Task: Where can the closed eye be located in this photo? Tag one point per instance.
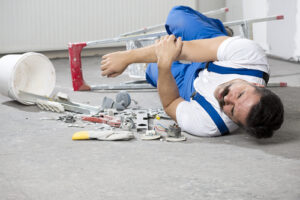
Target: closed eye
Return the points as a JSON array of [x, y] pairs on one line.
[[232, 109], [241, 94]]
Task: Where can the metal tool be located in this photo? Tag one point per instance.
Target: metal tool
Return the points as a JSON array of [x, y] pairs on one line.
[[68, 105], [104, 119]]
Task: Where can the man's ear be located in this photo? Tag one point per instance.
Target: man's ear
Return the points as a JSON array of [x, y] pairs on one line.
[[257, 84]]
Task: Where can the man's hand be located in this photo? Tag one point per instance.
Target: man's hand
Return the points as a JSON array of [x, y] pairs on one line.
[[114, 64], [167, 49]]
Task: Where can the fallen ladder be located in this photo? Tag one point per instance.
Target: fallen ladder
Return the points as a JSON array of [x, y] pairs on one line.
[[75, 48], [75, 51]]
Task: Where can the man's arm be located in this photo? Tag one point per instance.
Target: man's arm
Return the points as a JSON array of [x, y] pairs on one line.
[[167, 50], [203, 50]]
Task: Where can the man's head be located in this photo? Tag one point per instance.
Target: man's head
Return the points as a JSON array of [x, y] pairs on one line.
[[252, 106]]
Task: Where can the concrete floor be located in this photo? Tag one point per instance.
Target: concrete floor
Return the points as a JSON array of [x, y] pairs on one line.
[[38, 159]]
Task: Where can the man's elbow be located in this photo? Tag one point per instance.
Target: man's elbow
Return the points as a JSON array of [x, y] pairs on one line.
[[170, 112], [170, 108]]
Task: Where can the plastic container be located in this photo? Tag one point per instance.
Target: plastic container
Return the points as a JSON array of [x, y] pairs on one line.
[[30, 72], [138, 70]]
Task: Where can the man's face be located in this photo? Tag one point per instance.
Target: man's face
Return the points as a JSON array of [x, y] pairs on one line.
[[236, 98]]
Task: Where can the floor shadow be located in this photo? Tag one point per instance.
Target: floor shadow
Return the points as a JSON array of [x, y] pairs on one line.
[[22, 107]]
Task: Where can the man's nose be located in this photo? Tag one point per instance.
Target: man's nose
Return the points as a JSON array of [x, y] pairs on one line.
[[228, 99]]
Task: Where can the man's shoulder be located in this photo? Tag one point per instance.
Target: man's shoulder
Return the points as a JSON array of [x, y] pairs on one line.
[[242, 53], [194, 119]]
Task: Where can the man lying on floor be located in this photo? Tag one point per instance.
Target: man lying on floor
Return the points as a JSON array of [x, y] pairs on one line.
[[223, 87]]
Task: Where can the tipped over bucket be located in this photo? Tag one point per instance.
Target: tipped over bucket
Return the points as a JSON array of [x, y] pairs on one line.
[[30, 72]]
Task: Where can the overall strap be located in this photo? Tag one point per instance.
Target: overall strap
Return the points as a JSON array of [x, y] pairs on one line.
[[242, 71], [211, 112], [224, 70]]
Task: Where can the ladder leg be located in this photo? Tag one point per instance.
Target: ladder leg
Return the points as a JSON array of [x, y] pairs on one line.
[[75, 63]]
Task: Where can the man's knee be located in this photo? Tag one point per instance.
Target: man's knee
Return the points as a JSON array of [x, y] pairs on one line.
[[180, 19], [174, 20]]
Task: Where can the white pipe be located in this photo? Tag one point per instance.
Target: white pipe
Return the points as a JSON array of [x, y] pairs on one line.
[[254, 20]]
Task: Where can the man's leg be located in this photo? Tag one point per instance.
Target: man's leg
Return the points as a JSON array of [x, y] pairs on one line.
[[190, 25]]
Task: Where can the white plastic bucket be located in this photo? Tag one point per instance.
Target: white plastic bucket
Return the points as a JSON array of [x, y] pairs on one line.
[[30, 72]]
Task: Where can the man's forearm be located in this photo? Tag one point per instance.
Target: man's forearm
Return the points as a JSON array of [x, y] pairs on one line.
[[142, 55], [167, 87], [201, 50], [167, 50], [168, 92]]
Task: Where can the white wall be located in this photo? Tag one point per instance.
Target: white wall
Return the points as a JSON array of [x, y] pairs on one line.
[[281, 37], [41, 25], [235, 10], [296, 54], [257, 9]]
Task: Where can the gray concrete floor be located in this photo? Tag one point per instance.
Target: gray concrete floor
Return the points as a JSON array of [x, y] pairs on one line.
[[38, 159]]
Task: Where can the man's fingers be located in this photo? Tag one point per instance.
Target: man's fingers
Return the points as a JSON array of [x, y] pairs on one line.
[[103, 62], [179, 42], [103, 73], [164, 37], [171, 38], [113, 75], [105, 56], [104, 65], [106, 72], [109, 73]]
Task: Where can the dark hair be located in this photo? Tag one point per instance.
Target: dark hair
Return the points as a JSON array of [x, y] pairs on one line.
[[266, 116]]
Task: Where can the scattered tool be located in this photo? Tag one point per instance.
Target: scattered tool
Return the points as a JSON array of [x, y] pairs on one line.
[[174, 134], [67, 118], [107, 135], [150, 135], [65, 103], [142, 120], [105, 119], [123, 100], [127, 123], [50, 106]]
